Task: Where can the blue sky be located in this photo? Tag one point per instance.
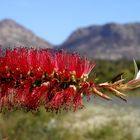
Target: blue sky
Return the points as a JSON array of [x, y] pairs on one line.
[[54, 20]]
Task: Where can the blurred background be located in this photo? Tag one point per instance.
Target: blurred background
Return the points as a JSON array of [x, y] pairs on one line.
[[107, 32]]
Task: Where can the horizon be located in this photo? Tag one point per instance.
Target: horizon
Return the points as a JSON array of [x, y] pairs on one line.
[[54, 21]]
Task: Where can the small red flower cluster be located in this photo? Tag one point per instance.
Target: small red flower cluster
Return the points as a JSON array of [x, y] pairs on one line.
[[31, 77]]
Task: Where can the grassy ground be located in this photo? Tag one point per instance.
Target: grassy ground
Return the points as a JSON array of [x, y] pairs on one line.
[[92, 123]]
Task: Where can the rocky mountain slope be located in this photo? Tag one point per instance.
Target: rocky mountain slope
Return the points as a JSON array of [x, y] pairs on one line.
[[13, 34], [109, 41]]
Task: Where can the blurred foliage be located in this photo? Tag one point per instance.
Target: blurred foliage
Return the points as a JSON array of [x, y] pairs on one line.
[[110, 131], [106, 70], [21, 125]]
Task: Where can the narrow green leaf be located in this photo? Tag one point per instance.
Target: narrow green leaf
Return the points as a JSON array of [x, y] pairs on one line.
[[135, 67]]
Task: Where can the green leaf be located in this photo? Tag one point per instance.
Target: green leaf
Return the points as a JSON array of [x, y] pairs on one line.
[[135, 67]]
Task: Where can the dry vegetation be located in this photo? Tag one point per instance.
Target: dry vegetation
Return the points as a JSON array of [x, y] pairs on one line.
[[94, 122]]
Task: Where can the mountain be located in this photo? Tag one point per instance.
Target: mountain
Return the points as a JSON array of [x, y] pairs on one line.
[[109, 41], [15, 35]]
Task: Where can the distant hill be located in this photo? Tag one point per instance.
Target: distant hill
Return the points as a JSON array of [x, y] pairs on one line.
[[109, 41], [12, 34]]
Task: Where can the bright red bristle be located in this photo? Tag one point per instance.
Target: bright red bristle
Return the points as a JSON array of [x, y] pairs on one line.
[[31, 77]]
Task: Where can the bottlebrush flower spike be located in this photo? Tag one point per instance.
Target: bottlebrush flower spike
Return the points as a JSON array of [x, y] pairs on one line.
[[56, 79]]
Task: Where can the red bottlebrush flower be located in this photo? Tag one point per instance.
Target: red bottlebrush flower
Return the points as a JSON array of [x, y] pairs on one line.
[[56, 79]]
